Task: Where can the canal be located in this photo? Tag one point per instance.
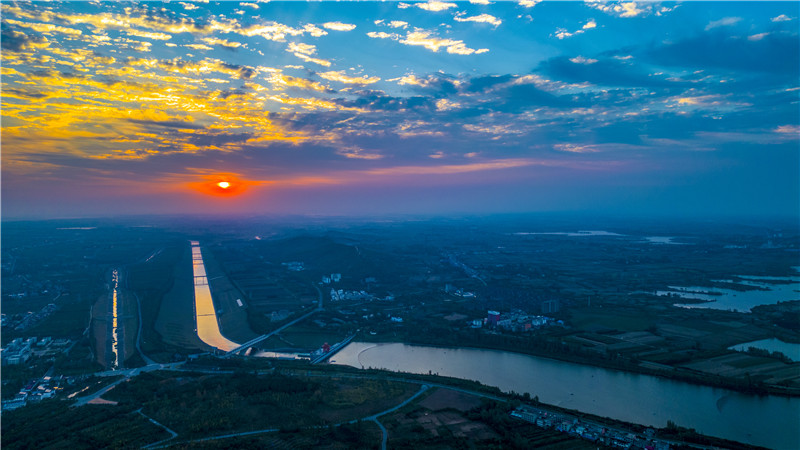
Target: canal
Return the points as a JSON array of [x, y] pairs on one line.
[[205, 313], [116, 347]]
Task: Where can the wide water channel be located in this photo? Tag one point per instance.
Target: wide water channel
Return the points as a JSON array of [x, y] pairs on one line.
[[769, 421], [116, 346], [204, 311]]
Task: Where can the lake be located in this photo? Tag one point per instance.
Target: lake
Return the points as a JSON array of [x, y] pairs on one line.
[[772, 345], [768, 291]]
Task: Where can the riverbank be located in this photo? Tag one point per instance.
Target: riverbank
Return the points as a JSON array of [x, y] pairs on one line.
[[441, 417]]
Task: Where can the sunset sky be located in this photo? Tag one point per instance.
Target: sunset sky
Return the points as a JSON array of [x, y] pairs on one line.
[[364, 108]]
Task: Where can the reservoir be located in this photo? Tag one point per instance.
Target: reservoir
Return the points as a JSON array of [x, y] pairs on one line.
[[769, 421]]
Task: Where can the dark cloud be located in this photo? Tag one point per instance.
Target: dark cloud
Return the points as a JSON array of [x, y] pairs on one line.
[[26, 93], [51, 73], [436, 85], [481, 84], [218, 139], [15, 41], [244, 72], [773, 53], [167, 123], [519, 97], [232, 92], [379, 101], [622, 132], [603, 72]]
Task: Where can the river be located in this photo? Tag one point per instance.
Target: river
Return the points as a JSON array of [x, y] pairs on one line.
[[769, 421]]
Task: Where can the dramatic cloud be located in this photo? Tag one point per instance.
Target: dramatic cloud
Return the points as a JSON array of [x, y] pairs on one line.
[[102, 97]]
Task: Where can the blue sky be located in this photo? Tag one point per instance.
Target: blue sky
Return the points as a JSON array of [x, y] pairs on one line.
[[363, 108]]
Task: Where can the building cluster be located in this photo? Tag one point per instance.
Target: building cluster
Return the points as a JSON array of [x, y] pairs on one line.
[[341, 294], [37, 390], [333, 278], [277, 316], [294, 266], [452, 290], [21, 322], [20, 286], [19, 351], [514, 321], [550, 306], [595, 432]]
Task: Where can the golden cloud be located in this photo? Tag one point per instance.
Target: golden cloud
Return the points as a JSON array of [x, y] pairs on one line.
[[342, 78]]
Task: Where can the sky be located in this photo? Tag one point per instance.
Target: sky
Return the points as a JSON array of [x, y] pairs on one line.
[[371, 108]]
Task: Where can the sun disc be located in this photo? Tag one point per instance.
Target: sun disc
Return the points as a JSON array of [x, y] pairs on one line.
[[224, 184]]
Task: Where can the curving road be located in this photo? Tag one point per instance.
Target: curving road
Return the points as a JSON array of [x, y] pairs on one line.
[[374, 417]]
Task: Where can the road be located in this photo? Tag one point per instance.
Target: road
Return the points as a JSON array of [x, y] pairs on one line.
[[87, 399], [127, 374], [374, 417], [173, 434], [424, 386], [136, 371]]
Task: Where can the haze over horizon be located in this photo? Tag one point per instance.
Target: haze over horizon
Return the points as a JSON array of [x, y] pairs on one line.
[[368, 108]]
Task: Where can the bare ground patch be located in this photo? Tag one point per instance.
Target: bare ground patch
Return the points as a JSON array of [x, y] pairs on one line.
[[447, 398]]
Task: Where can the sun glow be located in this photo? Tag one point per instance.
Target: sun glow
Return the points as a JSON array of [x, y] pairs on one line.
[[226, 185]]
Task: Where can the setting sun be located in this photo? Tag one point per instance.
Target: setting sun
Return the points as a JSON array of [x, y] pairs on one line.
[[222, 184]]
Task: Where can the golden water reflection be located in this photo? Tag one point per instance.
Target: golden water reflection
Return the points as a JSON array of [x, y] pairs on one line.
[[206, 316]]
